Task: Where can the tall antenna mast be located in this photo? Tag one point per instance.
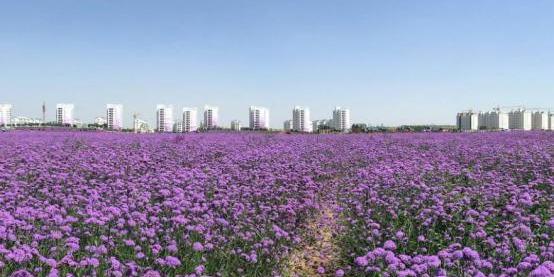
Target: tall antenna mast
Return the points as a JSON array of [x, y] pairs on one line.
[[43, 112]]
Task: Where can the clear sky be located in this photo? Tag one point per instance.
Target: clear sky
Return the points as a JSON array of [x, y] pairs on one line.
[[391, 62]]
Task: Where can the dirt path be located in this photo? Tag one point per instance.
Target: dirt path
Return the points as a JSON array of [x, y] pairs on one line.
[[318, 257]]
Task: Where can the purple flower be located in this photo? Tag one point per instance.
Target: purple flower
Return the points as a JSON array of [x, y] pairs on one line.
[[199, 269], [390, 245], [470, 254], [172, 261], [21, 273], [541, 271], [152, 273], [320, 270], [197, 246], [361, 261], [550, 223]]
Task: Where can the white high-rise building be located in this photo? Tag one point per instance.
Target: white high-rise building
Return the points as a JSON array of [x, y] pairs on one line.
[[495, 120], [551, 120], [341, 119], [463, 121], [259, 118], [164, 118], [468, 121], [235, 125], [114, 116], [520, 119], [210, 117], [190, 117], [5, 114], [301, 119], [64, 113], [287, 125], [540, 120]]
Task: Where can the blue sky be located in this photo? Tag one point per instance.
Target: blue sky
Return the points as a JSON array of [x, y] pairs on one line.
[[391, 62]]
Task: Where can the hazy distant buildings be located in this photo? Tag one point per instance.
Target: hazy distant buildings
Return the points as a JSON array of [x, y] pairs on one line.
[[190, 117], [322, 124], [287, 125], [259, 118], [114, 116], [341, 119], [494, 120], [235, 125], [540, 120], [100, 121], [497, 119], [301, 119], [178, 126], [140, 126], [22, 120], [5, 114], [469, 120], [210, 117], [520, 119], [164, 118], [64, 113]]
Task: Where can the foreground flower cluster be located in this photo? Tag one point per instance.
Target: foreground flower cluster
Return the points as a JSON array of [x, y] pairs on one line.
[[101, 204], [124, 205], [451, 205]]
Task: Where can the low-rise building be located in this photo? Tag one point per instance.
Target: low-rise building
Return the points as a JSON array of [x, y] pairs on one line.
[[22, 120], [178, 126], [235, 125], [140, 126], [100, 121], [287, 125], [326, 124]]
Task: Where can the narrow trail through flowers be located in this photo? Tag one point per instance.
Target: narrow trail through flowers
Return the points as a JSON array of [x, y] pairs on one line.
[[320, 256], [317, 257]]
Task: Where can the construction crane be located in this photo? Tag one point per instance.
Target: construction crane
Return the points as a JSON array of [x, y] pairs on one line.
[[498, 108]]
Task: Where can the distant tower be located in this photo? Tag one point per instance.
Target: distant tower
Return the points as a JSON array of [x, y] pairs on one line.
[[259, 118], [210, 117], [135, 117], [341, 119], [43, 112], [164, 118], [301, 119]]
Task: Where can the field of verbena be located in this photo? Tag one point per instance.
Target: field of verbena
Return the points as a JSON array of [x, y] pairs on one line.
[[230, 204]]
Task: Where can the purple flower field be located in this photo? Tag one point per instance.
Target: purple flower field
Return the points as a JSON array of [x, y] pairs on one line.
[[243, 204]]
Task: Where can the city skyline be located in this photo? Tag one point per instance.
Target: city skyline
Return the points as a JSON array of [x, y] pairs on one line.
[[187, 121], [393, 63]]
